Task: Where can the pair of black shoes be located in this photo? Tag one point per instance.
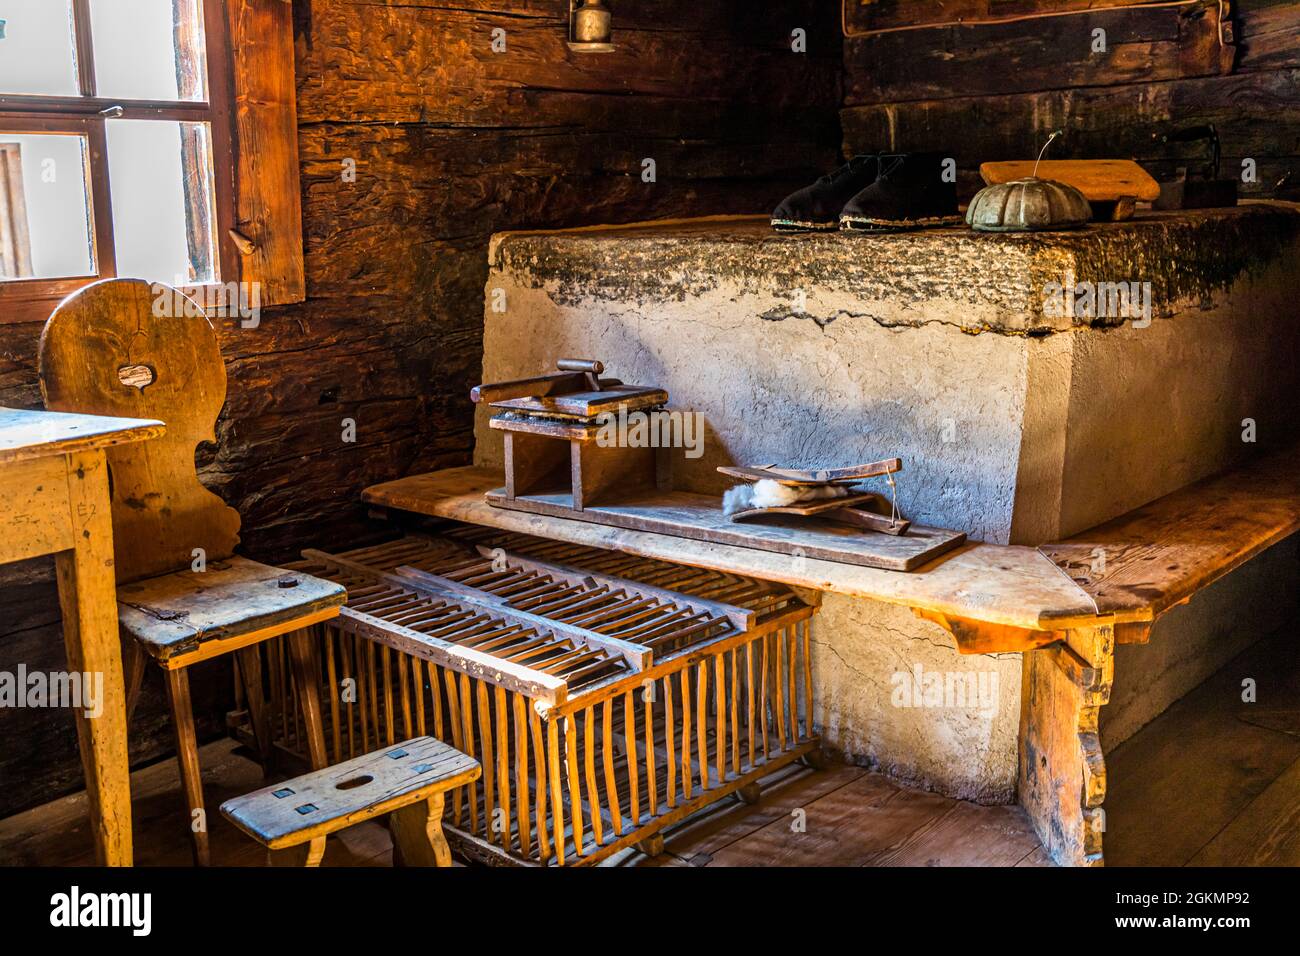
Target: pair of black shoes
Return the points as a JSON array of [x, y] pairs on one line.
[[880, 192]]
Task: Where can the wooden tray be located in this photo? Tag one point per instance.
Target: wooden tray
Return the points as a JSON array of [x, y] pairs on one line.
[[687, 515], [863, 511], [588, 404], [808, 509], [1100, 180]]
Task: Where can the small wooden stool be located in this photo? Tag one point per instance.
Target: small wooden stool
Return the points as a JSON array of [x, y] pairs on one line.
[[407, 781]]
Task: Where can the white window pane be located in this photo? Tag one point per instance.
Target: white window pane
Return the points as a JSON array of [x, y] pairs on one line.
[[37, 50], [44, 220], [148, 49], [160, 173]]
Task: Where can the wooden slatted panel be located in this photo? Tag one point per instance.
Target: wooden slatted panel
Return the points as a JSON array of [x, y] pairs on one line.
[[571, 784], [469, 626], [625, 609]]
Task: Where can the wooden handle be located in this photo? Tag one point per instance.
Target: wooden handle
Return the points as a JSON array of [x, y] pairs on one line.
[[245, 245], [554, 383], [580, 365], [799, 476], [869, 520]]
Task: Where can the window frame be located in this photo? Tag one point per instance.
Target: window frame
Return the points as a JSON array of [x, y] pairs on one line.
[[32, 300]]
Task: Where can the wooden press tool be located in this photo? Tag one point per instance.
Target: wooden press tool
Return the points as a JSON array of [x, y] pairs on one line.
[[863, 509], [555, 425], [574, 376]]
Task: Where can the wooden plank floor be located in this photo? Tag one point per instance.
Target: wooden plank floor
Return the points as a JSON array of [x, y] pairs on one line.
[[843, 816], [1214, 780]]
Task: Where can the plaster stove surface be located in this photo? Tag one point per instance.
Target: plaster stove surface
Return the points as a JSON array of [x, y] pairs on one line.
[[1017, 420]]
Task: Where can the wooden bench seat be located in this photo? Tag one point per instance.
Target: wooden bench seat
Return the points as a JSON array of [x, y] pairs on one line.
[[1139, 565], [407, 780], [1155, 556], [1010, 585]]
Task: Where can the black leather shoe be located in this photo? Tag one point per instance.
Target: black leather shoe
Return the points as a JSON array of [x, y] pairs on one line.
[[909, 193], [817, 207]]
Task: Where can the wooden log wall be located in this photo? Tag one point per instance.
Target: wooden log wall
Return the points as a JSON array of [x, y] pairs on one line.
[[450, 142], [995, 91]]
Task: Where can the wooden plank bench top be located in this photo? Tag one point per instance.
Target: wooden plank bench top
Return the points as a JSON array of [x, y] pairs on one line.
[[325, 801], [1002, 584], [1156, 556], [1142, 563]]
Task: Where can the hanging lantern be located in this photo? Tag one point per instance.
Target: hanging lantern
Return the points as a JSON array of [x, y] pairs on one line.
[[589, 27]]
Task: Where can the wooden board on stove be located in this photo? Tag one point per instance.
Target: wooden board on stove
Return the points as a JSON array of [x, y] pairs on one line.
[[699, 517], [1100, 180]]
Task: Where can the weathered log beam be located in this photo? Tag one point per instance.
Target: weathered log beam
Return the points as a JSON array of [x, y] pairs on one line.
[[865, 15], [1055, 53], [1104, 121], [438, 65]]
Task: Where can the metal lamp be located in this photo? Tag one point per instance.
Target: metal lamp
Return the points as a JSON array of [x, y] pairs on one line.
[[589, 27]]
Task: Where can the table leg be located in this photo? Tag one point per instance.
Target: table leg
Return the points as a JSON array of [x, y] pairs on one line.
[[250, 673], [88, 598]]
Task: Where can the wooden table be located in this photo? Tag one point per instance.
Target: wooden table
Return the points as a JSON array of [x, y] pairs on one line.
[[54, 500]]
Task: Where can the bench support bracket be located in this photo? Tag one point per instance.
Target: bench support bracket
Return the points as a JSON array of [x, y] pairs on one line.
[[1062, 769]]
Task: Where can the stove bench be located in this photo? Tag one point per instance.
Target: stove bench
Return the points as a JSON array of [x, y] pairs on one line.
[[1065, 604]]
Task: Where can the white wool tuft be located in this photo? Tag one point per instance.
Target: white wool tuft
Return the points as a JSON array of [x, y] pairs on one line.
[[767, 493], [771, 494], [738, 498]]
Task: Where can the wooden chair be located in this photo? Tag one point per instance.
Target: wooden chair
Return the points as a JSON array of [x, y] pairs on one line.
[[183, 596], [408, 781]]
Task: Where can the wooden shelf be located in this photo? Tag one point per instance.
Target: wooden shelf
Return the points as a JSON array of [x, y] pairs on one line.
[[683, 514], [1006, 585], [1156, 556]]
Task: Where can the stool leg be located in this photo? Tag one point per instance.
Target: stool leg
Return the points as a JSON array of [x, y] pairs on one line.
[[304, 854], [187, 755], [417, 834], [250, 674], [133, 658], [306, 677]]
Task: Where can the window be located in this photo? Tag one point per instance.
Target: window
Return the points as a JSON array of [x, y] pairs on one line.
[[117, 147]]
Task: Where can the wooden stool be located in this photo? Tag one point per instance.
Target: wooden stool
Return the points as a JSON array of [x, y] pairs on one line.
[[408, 781], [123, 348]]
